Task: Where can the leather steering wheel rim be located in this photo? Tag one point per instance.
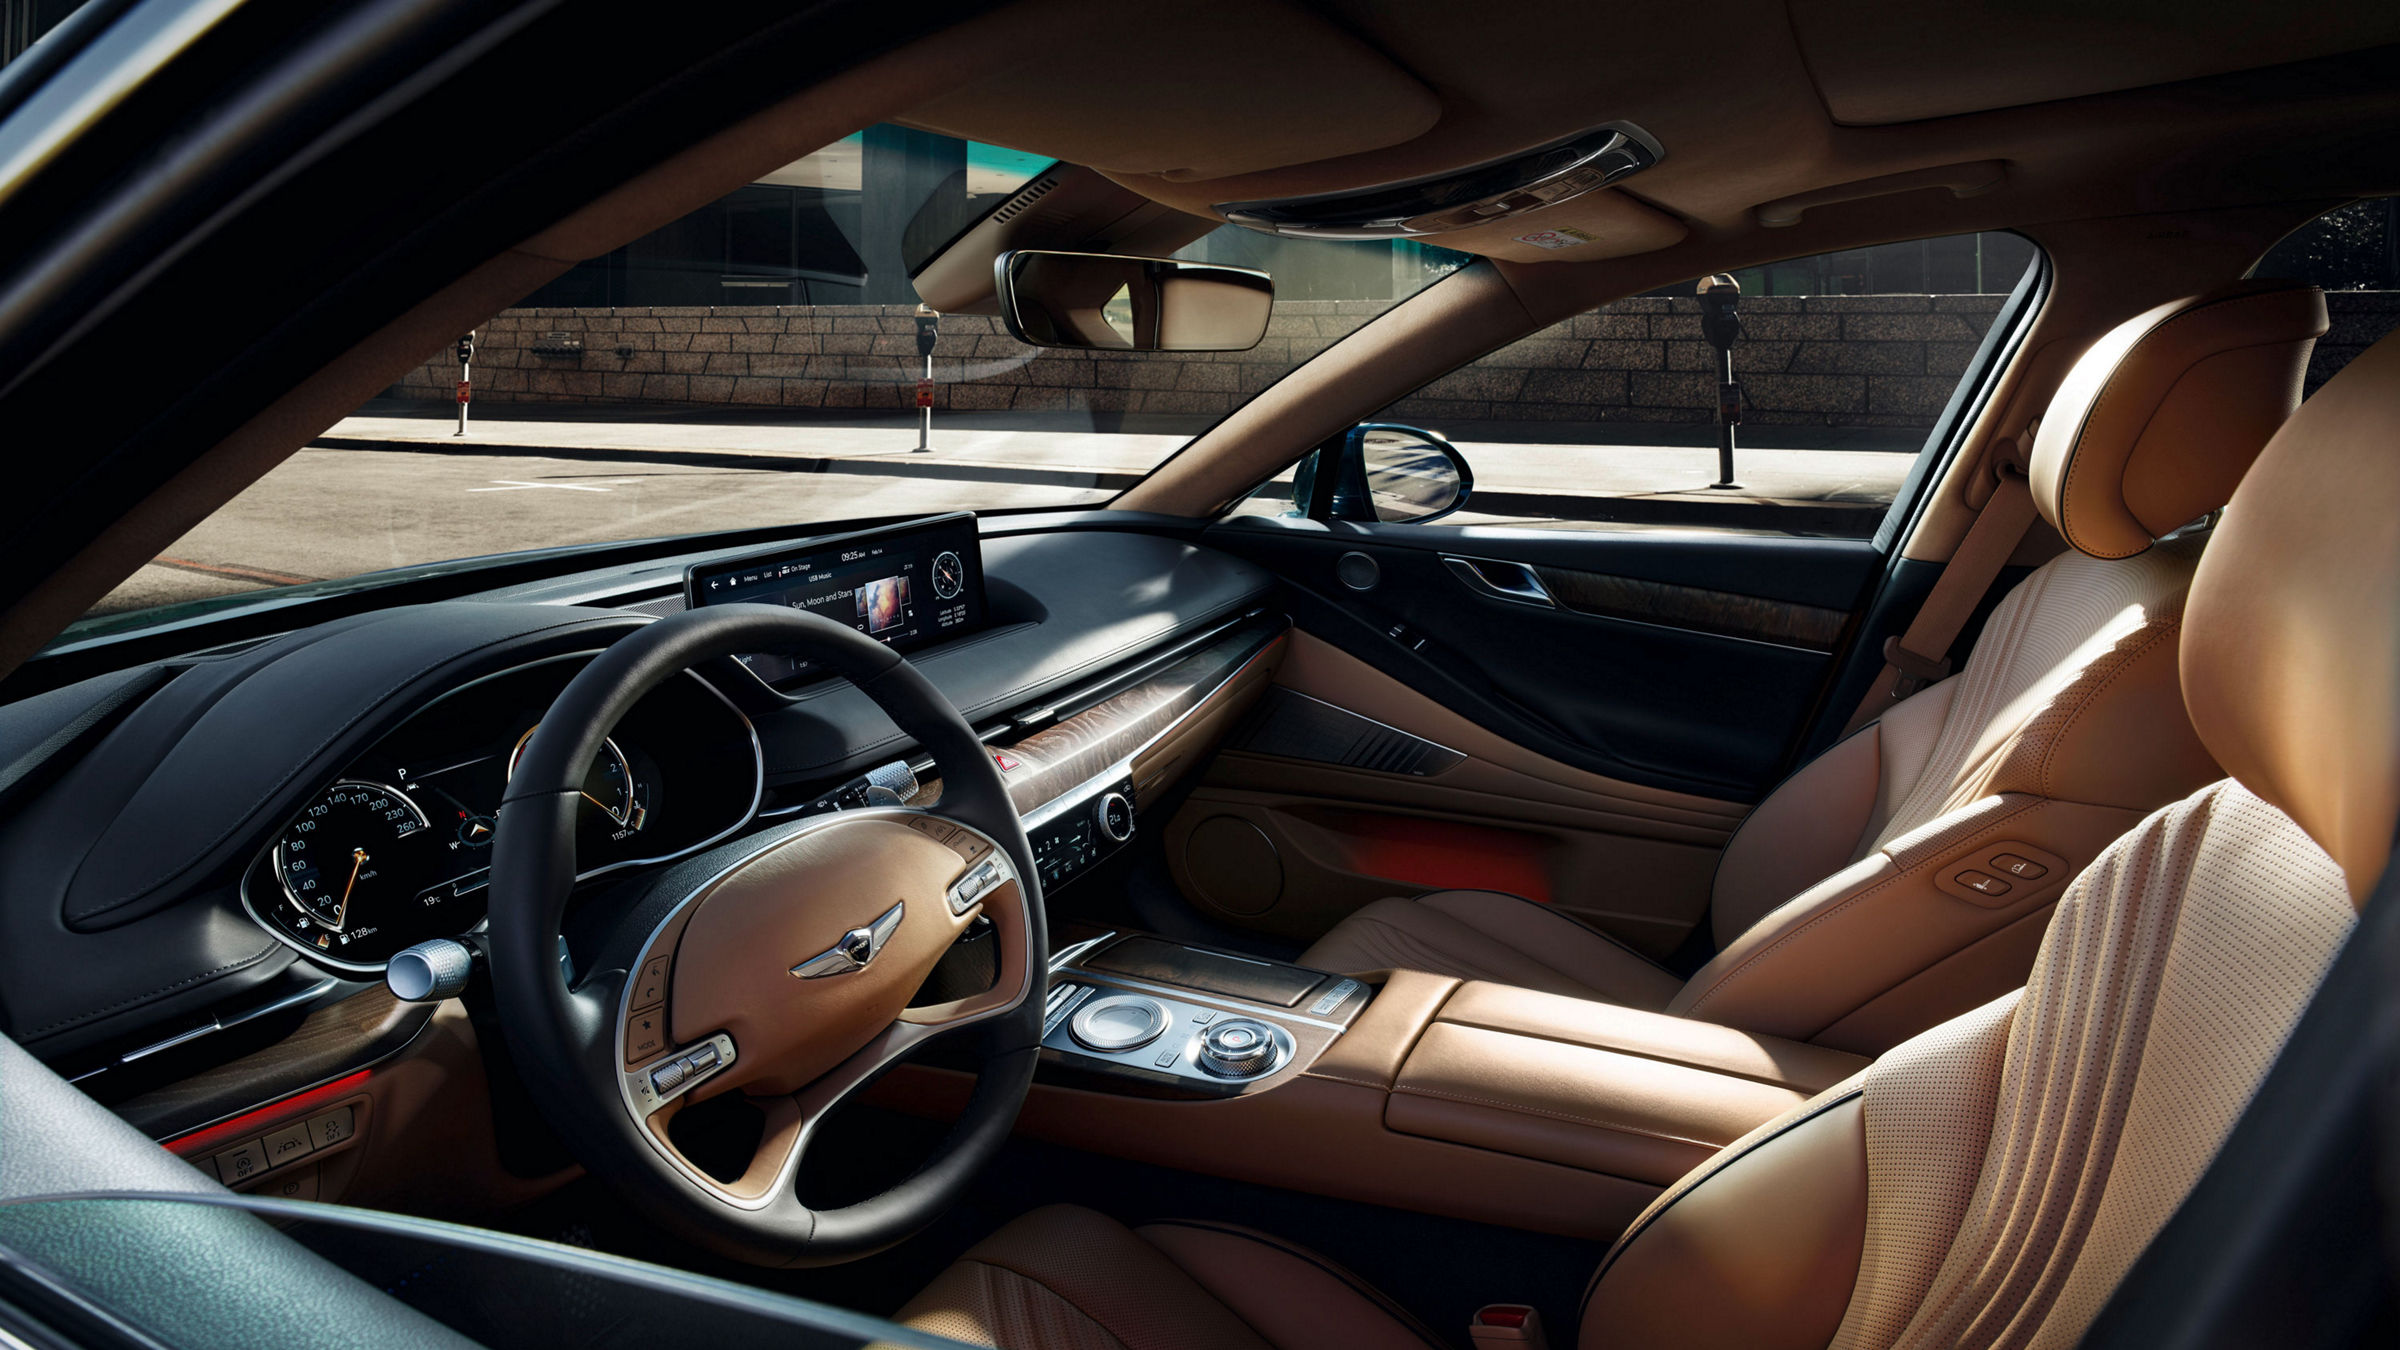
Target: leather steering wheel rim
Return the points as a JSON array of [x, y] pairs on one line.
[[565, 1040]]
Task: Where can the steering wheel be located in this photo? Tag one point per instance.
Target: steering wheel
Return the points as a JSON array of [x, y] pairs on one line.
[[783, 967]]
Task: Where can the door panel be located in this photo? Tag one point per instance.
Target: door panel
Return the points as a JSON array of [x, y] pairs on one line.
[[1681, 661], [1286, 835]]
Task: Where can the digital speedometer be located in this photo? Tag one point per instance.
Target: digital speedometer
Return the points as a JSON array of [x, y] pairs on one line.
[[352, 869], [336, 858]]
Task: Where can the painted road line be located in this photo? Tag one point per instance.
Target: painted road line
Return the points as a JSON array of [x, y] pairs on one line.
[[517, 485], [233, 570]]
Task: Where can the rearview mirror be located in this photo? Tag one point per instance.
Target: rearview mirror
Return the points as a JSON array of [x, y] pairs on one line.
[[1108, 302]]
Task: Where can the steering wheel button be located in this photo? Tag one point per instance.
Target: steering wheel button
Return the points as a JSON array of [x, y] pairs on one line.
[[645, 1035], [703, 1058], [668, 1077], [650, 987]]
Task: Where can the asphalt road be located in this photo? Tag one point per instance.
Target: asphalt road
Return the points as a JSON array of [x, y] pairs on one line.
[[389, 492]]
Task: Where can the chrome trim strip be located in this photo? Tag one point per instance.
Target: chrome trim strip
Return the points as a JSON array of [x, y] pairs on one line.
[[1225, 1002], [308, 995], [758, 792]]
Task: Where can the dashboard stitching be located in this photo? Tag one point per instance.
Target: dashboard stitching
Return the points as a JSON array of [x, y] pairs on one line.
[[373, 705], [250, 960]]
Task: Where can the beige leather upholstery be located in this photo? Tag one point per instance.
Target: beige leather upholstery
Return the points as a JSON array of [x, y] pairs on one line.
[[1836, 913], [1989, 1182], [1069, 1279], [2154, 425], [2292, 659]]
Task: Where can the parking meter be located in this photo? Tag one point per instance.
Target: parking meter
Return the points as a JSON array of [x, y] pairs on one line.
[[929, 326], [1721, 324]]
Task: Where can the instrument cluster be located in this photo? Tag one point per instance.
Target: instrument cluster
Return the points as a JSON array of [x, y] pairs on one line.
[[398, 848]]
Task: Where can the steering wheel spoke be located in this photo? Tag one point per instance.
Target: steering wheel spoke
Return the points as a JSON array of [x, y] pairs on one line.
[[791, 977]]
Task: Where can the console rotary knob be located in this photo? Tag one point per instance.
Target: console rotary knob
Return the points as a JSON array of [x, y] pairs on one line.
[[1237, 1048], [1113, 815], [1120, 1022]]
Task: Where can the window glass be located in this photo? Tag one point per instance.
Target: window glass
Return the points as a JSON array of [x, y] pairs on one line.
[[753, 364], [2353, 252], [1843, 363]]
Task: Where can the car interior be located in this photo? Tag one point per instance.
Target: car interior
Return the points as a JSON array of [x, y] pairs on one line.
[[1282, 898]]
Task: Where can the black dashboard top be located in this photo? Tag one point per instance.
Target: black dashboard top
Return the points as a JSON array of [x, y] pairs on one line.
[[133, 805]]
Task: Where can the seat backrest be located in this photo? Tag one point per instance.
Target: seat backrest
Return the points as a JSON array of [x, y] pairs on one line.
[[2066, 726], [1989, 1182]]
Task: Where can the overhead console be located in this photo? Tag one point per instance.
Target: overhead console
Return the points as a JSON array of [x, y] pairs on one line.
[[907, 586]]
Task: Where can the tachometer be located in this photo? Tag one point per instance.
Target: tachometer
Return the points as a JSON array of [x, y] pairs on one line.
[[336, 859], [608, 786]]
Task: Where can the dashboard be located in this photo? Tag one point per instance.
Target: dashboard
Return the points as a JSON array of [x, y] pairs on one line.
[[199, 852], [397, 849]]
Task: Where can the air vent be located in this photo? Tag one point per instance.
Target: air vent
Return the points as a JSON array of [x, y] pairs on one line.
[[1543, 176], [1026, 196]]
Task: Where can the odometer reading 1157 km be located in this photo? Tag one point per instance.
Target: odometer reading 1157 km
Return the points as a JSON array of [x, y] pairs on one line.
[[340, 864]]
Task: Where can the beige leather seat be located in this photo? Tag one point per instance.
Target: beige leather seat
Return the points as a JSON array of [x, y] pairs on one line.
[[1851, 908], [1990, 1181]]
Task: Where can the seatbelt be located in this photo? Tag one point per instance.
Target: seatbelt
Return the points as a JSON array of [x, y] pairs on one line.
[[1917, 657]]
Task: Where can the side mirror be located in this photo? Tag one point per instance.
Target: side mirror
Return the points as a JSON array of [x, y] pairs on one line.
[[1108, 302], [1388, 473]]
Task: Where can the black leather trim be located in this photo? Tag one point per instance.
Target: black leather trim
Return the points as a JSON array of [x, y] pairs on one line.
[[1076, 604]]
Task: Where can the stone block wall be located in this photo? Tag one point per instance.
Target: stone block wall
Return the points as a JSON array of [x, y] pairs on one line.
[[1865, 360]]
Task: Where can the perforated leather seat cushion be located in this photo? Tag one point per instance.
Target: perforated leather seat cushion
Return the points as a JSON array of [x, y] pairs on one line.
[[1064, 1278]]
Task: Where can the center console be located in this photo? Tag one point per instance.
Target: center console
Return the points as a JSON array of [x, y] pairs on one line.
[[1182, 1020], [1397, 1088]]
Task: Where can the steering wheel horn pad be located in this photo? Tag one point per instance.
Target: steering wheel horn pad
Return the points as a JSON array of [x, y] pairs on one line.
[[728, 951]]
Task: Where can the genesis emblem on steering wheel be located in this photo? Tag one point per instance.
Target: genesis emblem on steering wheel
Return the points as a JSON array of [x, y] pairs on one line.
[[855, 950]]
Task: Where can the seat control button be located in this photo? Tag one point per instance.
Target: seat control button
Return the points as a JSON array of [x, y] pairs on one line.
[[1982, 883], [332, 1128], [2019, 867]]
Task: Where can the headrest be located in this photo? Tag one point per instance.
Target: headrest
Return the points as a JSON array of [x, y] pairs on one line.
[[2155, 424], [2291, 637]]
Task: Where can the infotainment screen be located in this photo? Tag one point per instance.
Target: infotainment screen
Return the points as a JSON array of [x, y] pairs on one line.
[[905, 585]]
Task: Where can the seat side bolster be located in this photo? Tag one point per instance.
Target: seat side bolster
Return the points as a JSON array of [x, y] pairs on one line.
[[1758, 1249], [2118, 736], [1865, 932], [1293, 1297], [1804, 830]]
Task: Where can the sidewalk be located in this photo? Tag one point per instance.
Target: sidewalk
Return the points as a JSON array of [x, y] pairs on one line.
[[1642, 473]]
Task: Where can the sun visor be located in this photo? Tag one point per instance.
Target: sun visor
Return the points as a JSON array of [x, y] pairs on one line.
[[1154, 98]]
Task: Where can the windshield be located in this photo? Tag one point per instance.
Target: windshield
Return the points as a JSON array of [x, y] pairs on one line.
[[752, 365]]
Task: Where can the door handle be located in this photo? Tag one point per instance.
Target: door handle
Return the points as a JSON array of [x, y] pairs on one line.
[[1499, 580]]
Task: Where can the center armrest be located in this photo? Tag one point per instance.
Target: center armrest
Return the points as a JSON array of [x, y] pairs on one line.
[[1591, 1085]]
